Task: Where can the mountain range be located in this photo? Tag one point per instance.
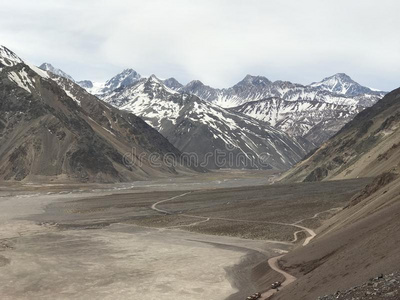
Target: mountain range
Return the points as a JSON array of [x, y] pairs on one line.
[[197, 126], [50, 126], [337, 89], [200, 119], [312, 113]]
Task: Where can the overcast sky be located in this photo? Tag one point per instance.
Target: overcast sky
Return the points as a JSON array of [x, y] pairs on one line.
[[215, 41]]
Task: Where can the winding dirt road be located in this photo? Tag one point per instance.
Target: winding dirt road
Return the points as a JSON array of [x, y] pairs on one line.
[[154, 206], [272, 262]]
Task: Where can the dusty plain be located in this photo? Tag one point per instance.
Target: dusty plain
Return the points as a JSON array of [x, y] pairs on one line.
[[201, 237]]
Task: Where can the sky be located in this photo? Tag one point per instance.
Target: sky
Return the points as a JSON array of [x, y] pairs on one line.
[[216, 41]]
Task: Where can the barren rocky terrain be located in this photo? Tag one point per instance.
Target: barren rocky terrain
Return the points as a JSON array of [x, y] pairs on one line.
[[152, 238], [380, 287]]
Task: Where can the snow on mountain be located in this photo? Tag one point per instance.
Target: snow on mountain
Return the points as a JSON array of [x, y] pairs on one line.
[[197, 126], [45, 133], [49, 68], [342, 84], [22, 79], [147, 97], [8, 58], [123, 79], [315, 112], [313, 120], [45, 71], [339, 89], [126, 78], [19, 76], [312, 112]]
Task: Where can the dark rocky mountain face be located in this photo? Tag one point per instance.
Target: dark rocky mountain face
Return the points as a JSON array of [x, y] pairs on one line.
[[366, 146], [86, 84], [49, 126], [255, 81], [197, 126], [173, 84]]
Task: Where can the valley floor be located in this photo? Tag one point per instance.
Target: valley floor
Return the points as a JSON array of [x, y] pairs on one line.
[[205, 237]]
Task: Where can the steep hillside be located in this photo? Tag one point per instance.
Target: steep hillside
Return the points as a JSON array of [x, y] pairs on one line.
[[218, 137], [367, 146], [49, 126], [359, 243]]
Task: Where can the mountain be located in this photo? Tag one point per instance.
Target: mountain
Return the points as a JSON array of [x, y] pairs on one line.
[[359, 243], [123, 79], [173, 84], [8, 58], [86, 84], [365, 147], [313, 120], [342, 84], [338, 89], [197, 126], [52, 128], [49, 68]]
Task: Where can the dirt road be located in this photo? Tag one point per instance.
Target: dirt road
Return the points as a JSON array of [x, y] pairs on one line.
[[272, 262]]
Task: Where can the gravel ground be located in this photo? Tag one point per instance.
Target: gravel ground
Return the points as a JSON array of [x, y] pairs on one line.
[[96, 243], [381, 287]]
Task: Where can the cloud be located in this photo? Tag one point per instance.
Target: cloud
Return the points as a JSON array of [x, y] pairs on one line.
[[218, 42]]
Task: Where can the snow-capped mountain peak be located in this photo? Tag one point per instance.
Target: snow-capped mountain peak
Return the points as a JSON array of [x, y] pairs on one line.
[[195, 84], [8, 58], [155, 86], [341, 84], [125, 78], [254, 81], [49, 68], [154, 78]]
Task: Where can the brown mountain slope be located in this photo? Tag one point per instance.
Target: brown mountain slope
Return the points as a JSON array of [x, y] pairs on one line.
[[366, 147], [49, 131], [360, 242]]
